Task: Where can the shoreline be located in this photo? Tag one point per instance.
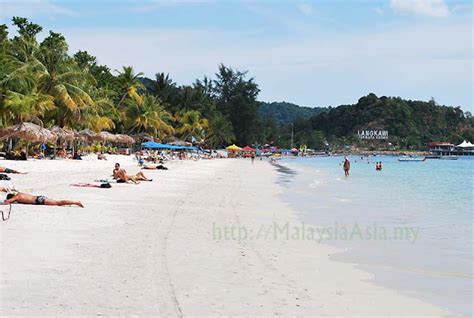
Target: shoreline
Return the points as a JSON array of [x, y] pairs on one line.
[[161, 248]]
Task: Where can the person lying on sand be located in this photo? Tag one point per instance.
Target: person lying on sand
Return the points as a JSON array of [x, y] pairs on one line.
[[159, 167], [25, 198], [8, 170], [121, 175], [101, 156]]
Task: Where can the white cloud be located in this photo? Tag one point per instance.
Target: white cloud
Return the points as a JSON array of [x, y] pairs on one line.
[[418, 61], [306, 9], [32, 8], [431, 8]]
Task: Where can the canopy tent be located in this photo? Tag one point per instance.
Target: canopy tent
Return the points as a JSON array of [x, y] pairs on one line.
[[248, 148], [29, 132], [466, 144], [157, 145], [233, 147]]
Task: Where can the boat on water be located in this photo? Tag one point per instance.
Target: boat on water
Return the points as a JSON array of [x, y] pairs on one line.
[[449, 158], [411, 159], [433, 157]]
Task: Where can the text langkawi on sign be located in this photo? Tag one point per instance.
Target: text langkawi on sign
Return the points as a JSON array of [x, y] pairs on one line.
[[372, 134]]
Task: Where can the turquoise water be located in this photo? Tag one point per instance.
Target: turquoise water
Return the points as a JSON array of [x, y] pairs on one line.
[[411, 224]]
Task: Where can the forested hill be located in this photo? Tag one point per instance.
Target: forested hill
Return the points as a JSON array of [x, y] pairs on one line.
[[411, 124], [285, 113]]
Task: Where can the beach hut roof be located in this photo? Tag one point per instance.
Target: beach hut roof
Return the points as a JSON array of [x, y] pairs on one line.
[[233, 147], [29, 132], [64, 133]]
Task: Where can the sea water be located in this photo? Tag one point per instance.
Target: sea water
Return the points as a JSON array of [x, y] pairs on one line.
[[411, 224]]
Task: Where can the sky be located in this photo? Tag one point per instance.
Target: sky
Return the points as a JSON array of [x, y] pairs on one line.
[[311, 53]]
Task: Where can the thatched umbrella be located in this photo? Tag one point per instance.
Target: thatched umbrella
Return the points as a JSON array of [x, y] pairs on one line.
[[89, 135], [143, 137], [124, 139], [180, 143], [106, 136], [29, 132], [64, 134]]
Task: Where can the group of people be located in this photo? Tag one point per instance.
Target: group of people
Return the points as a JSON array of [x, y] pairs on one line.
[[346, 165]]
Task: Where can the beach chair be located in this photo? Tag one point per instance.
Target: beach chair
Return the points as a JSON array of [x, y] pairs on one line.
[[6, 216]]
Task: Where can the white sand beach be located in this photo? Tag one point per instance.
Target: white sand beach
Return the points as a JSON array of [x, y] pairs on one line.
[[159, 248]]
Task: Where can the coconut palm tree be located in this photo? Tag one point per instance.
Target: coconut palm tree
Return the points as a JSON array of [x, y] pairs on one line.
[[192, 124], [220, 131], [149, 116], [129, 84]]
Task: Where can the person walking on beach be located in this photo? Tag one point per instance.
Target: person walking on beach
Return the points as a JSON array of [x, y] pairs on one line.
[[25, 198], [346, 166], [253, 158]]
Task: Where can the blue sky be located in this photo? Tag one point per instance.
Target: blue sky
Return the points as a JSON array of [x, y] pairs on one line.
[[313, 53]]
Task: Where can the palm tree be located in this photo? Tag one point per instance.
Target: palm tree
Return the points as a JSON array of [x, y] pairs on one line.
[[129, 84], [220, 131], [191, 124], [27, 107], [149, 116]]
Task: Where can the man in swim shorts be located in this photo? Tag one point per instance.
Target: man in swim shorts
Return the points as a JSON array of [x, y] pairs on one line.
[[8, 170], [25, 198]]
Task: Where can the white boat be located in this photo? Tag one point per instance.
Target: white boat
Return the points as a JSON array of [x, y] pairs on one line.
[[410, 159], [449, 158]]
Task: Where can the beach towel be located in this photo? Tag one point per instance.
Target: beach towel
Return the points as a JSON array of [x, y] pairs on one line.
[[90, 185]]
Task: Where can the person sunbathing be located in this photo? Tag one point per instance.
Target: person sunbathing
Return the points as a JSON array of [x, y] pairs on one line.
[[159, 167], [25, 198], [8, 170], [101, 156], [121, 175]]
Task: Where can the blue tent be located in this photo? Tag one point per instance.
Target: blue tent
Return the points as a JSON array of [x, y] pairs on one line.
[[157, 145], [152, 145]]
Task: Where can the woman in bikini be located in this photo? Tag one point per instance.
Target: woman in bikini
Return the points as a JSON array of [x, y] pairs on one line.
[[121, 175]]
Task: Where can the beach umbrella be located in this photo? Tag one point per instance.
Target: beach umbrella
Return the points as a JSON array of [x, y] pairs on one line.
[[180, 143], [124, 139], [248, 148], [64, 134], [106, 136], [89, 135], [143, 137], [29, 132], [233, 147]]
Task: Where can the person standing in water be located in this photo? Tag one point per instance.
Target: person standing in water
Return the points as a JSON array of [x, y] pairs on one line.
[[346, 166]]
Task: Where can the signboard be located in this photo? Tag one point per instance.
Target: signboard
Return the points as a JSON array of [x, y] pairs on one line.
[[372, 134]]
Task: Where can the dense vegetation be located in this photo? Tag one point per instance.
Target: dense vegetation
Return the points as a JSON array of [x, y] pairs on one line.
[[40, 82], [286, 113], [411, 124]]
